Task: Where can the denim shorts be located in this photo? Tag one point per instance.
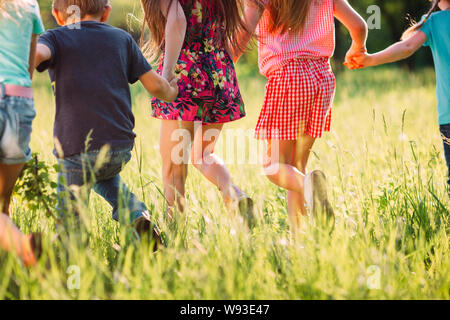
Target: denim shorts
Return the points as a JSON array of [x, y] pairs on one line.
[[16, 119]]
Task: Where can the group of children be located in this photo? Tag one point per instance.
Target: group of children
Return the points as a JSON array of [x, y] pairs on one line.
[[195, 89]]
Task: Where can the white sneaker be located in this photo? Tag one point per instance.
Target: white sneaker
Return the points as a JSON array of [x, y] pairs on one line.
[[316, 196]]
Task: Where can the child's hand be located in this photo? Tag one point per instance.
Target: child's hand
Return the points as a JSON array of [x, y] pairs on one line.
[[360, 62], [353, 52], [173, 91], [364, 61]]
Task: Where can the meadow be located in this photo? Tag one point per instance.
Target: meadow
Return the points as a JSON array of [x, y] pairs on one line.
[[386, 175]]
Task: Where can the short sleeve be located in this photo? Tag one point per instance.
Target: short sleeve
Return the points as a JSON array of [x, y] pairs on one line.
[[138, 64], [49, 40], [427, 29], [38, 25]]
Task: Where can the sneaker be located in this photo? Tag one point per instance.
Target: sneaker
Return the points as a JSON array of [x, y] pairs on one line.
[[247, 211], [145, 228], [316, 196], [245, 206]]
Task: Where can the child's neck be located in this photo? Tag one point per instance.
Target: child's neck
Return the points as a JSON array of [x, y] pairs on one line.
[[89, 18], [445, 5]]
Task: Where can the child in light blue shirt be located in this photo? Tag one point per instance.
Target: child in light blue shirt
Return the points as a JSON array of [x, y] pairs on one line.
[[432, 31], [16, 30], [20, 23]]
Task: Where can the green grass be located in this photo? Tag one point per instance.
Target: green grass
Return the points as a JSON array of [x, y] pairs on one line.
[[386, 175]]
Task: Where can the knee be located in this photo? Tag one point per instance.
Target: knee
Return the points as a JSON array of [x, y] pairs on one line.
[[196, 160], [173, 172], [271, 168]]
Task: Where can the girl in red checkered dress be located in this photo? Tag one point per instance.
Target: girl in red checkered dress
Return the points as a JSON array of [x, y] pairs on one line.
[[296, 41]]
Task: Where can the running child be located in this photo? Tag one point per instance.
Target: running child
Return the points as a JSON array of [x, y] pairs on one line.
[[91, 65], [296, 40], [431, 31], [193, 37], [20, 25]]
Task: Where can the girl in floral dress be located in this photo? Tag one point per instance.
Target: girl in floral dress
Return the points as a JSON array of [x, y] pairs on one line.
[[193, 36]]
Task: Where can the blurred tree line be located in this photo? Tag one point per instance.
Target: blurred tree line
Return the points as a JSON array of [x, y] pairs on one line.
[[395, 17]]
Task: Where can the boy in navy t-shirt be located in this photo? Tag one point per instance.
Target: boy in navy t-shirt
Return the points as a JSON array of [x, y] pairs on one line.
[[91, 65]]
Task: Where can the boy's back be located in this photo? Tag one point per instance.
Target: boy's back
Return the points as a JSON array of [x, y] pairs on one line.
[[90, 69]]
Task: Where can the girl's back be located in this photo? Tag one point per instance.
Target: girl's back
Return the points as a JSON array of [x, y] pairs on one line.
[[201, 23], [208, 87], [18, 22], [316, 40]]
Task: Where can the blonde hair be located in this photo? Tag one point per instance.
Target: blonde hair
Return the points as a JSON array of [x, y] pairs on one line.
[[417, 25]]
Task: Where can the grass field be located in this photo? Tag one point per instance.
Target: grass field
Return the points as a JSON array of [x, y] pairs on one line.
[[386, 174]]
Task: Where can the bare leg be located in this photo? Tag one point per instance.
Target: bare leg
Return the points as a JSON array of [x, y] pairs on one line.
[[296, 201], [210, 165], [175, 141], [286, 168], [8, 178], [11, 239]]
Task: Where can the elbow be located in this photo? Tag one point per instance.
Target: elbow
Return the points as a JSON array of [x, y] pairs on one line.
[[362, 28], [157, 90], [177, 23]]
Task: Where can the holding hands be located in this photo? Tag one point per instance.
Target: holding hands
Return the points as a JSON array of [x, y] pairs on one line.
[[356, 57], [359, 58]]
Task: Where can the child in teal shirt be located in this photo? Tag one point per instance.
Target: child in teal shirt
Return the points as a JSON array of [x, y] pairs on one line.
[[432, 31], [20, 23], [17, 25]]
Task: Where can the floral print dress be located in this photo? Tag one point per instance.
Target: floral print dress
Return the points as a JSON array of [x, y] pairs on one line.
[[208, 87]]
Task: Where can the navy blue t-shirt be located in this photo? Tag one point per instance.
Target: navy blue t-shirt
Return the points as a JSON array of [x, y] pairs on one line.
[[91, 69]]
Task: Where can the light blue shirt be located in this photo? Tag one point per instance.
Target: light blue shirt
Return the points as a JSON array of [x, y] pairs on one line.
[[437, 30], [16, 28]]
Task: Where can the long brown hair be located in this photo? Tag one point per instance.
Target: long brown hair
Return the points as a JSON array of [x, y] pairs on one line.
[[417, 25], [227, 13], [288, 15]]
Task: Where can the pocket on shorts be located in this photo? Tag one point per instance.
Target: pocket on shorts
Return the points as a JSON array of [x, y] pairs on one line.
[[15, 141]]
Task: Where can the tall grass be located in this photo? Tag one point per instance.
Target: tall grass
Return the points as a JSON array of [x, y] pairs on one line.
[[386, 174]]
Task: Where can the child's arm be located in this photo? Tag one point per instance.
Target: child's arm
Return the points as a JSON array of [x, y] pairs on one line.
[[159, 87], [355, 24], [43, 53], [175, 32], [32, 57], [252, 17], [399, 51]]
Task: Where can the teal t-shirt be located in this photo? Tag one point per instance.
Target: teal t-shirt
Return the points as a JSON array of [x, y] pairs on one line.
[[437, 30], [16, 28]]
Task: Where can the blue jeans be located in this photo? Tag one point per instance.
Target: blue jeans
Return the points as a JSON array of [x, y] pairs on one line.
[[445, 132], [16, 117], [78, 170]]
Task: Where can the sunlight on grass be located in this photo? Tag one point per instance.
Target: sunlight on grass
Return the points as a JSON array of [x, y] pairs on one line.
[[386, 174]]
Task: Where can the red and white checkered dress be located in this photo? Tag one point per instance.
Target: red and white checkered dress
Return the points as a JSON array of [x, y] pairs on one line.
[[301, 84]]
